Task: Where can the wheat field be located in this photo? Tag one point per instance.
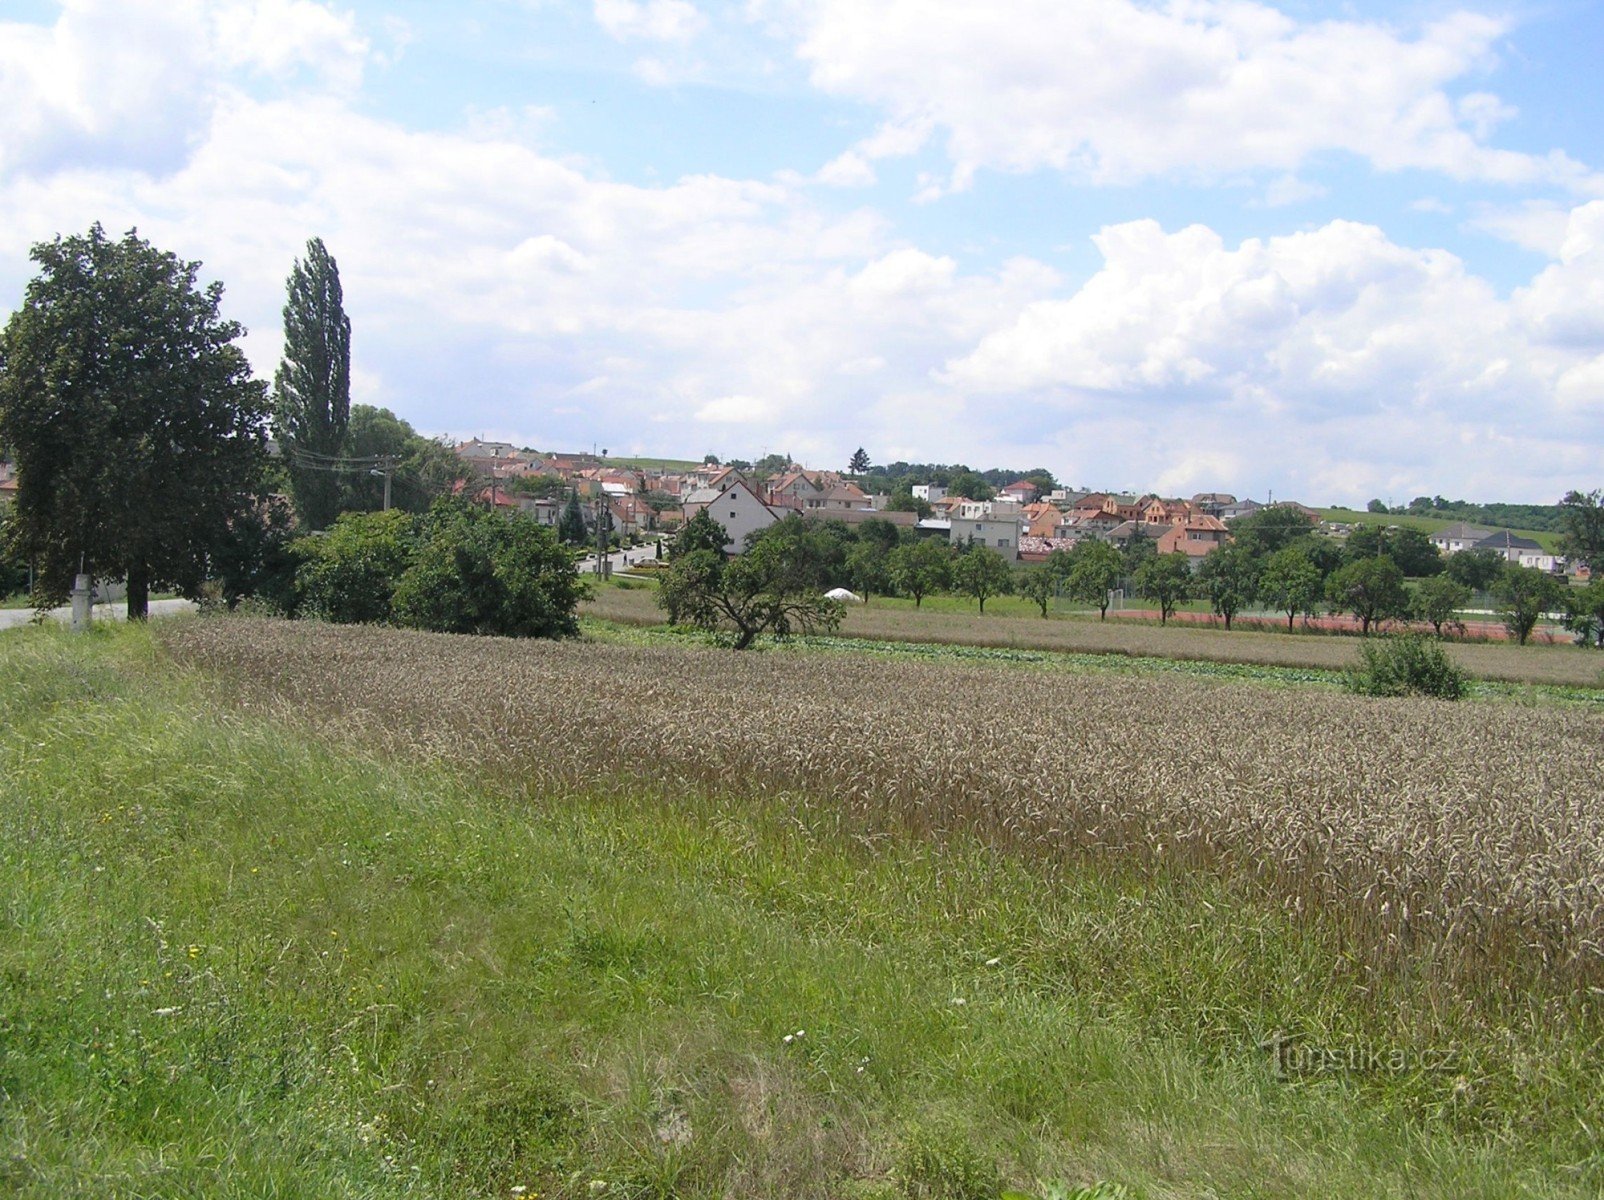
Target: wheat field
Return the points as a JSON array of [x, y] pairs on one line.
[[1468, 836]]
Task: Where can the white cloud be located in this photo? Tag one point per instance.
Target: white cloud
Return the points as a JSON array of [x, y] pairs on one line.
[[132, 83], [494, 286], [650, 20], [1115, 91]]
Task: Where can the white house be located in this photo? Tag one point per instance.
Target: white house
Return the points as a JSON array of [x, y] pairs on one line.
[[1459, 536], [1515, 549], [737, 508], [994, 523], [929, 492]]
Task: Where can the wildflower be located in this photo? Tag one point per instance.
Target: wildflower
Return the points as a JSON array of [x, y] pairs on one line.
[[994, 962]]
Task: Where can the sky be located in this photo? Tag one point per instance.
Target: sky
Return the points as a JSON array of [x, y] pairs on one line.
[[1326, 251]]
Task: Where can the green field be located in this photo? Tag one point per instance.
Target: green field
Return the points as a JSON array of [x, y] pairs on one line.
[[314, 932], [653, 464], [1349, 516]]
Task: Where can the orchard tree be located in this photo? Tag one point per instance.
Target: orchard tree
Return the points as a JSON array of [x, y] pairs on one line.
[[1439, 599], [312, 387], [1229, 576], [1290, 581], [1036, 585], [921, 567], [1524, 594], [980, 572], [761, 590], [137, 430], [1094, 570], [1372, 589], [1166, 579]]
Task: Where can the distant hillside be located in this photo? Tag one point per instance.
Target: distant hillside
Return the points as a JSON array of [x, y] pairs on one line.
[[1547, 537]]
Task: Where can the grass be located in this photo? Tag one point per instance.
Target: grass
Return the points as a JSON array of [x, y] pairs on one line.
[[897, 620], [249, 955]]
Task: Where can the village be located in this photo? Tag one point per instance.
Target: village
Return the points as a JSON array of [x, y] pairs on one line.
[[1021, 522]]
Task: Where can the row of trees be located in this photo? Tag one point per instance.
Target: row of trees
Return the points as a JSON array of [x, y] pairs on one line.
[[140, 440]]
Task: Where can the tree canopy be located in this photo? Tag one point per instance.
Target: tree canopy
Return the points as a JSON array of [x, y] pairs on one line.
[[137, 430]]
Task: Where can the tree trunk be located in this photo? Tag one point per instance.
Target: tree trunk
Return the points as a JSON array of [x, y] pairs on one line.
[[1290, 615], [138, 591]]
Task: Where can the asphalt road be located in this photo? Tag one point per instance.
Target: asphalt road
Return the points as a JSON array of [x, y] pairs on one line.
[[10, 618]]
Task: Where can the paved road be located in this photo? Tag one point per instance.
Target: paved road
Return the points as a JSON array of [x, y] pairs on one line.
[[619, 560], [10, 618]]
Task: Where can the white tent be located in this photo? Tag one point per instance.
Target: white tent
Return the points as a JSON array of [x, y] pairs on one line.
[[842, 594]]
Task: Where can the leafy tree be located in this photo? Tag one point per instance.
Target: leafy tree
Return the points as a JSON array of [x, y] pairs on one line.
[[1229, 576], [571, 525], [1375, 506], [1582, 528], [424, 468], [1372, 589], [349, 573], [540, 487], [711, 460], [701, 532], [136, 428], [1036, 585], [1438, 599], [757, 592], [1409, 548], [1093, 573], [1268, 529], [859, 463], [1585, 613], [922, 566], [312, 387], [482, 572], [1166, 579], [971, 486], [13, 570], [1524, 594], [980, 572], [903, 500], [1139, 549], [880, 533], [255, 558], [869, 569], [1290, 581], [1477, 570]]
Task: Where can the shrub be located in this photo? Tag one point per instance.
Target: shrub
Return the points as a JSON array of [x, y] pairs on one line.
[[1408, 665]]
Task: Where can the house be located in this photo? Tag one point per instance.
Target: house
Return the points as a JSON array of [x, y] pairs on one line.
[[1210, 504], [929, 492], [736, 507], [1459, 536], [1239, 508], [1195, 538], [1520, 550], [1021, 491], [993, 523]]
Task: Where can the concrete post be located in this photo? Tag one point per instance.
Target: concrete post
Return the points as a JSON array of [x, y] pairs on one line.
[[82, 599]]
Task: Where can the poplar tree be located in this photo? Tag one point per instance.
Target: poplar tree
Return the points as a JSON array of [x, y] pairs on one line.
[[312, 387]]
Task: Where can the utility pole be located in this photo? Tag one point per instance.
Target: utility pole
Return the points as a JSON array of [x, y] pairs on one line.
[[601, 534]]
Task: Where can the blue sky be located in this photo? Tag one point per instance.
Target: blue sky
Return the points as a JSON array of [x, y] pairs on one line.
[[1337, 251]]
